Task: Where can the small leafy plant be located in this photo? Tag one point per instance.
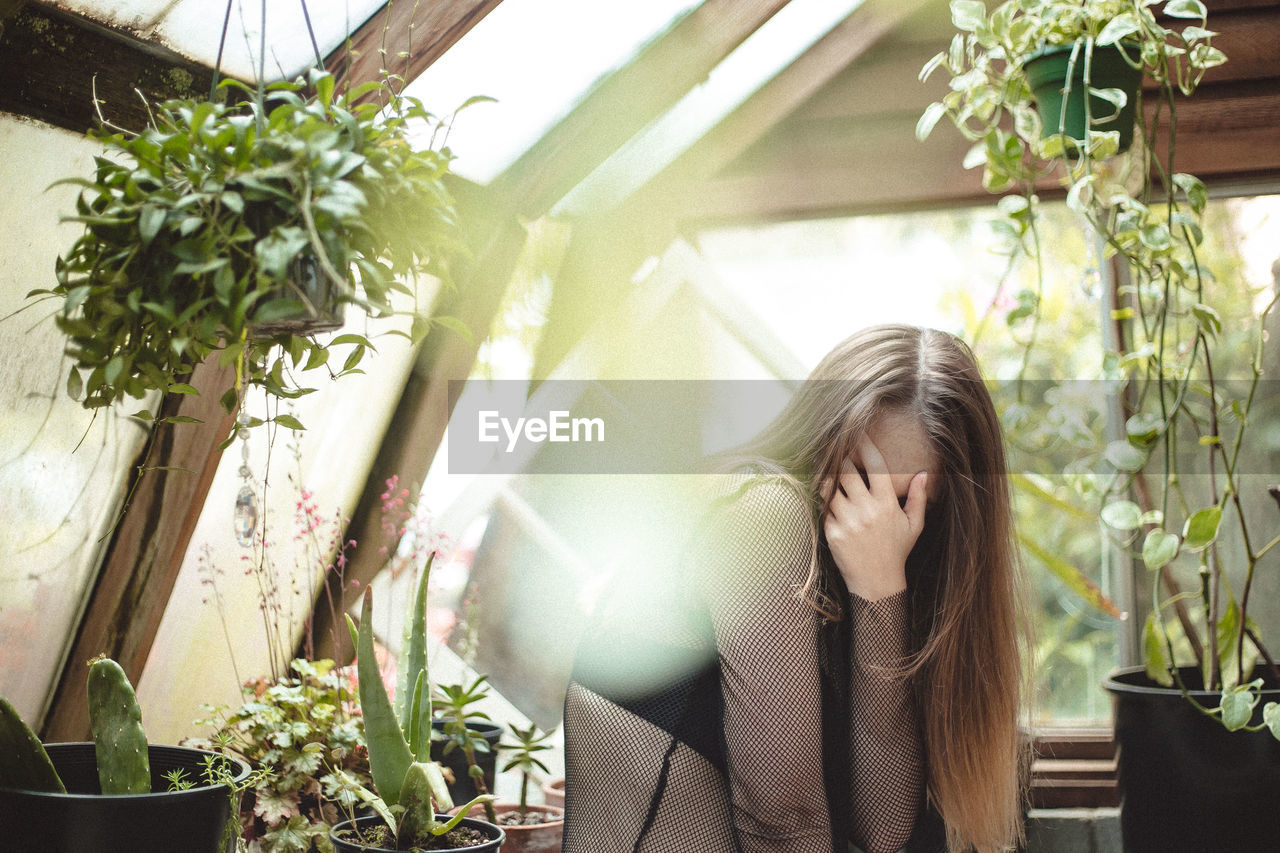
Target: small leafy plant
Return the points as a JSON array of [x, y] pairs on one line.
[[305, 732], [201, 231], [456, 711], [524, 757]]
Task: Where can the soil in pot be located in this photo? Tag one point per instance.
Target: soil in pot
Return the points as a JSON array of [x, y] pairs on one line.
[[539, 830], [1047, 76], [85, 821], [1186, 783], [370, 834]]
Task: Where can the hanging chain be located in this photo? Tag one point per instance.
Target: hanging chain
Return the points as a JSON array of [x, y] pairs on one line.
[[246, 509]]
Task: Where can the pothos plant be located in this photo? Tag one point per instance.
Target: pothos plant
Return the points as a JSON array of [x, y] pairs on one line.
[[1148, 219], [204, 230]]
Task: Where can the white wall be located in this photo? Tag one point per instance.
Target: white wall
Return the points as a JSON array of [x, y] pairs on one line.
[[60, 469]]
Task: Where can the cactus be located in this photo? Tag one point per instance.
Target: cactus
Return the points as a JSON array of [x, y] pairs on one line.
[[118, 738], [24, 764], [399, 743]]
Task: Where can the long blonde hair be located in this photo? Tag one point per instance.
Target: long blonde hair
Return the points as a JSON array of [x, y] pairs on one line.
[[968, 631]]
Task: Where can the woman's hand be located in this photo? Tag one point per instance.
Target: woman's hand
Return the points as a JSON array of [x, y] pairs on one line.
[[868, 531]]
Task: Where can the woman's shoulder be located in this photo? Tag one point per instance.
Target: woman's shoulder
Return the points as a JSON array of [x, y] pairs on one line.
[[754, 492]]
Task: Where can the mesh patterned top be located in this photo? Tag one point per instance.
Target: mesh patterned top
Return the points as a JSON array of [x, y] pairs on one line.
[[713, 710]]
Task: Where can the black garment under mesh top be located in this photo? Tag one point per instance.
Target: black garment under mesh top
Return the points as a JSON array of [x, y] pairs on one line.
[[712, 710]]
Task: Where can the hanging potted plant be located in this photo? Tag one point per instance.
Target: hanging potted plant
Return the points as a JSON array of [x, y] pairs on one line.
[[118, 794], [243, 227], [399, 744], [1020, 75], [1198, 725]]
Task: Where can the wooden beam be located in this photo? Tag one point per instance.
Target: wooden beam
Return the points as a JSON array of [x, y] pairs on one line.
[[52, 61], [167, 483], [418, 423], [1227, 136], [793, 86], [404, 38], [621, 104]]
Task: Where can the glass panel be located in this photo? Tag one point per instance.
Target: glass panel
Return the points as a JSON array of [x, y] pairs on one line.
[[62, 469], [551, 52], [193, 27]]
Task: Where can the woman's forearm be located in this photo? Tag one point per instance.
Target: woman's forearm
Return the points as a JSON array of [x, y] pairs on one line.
[[886, 749]]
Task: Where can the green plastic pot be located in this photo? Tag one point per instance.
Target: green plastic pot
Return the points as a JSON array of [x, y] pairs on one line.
[[1046, 72]]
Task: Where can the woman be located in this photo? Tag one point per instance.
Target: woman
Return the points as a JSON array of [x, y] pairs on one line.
[[840, 660]]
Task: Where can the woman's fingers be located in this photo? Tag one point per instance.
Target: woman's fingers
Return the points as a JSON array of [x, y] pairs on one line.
[[851, 480], [917, 497], [879, 481]]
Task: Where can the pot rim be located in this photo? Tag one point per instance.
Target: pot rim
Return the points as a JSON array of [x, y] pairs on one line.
[[242, 773], [482, 825], [546, 808], [1115, 683], [1047, 50]]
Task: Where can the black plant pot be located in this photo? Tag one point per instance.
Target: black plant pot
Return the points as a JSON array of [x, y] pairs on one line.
[[1186, 783], [84, 821], [494, 834], [463, 789], [318, 308]]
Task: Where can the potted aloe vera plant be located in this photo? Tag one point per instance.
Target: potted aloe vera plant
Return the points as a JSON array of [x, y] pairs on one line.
[[242, 227], [1198, 724], [118, 794], [411, 798]]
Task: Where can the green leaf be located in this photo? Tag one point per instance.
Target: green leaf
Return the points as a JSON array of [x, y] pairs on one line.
[[149, 223], [1118, 28], [1076, 580], [455, 325], [75, 384], [1237, 705], [182, 388], [1185, 9], [929, 119], [1155, 652], [1271, 716], [1155, 237], [1123, 456], [1122, 515], [968, 15], [1193, 187], [1201, 528], [289, 422], [1207, 319], [1143, 427], [1159, 548]]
